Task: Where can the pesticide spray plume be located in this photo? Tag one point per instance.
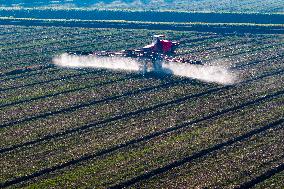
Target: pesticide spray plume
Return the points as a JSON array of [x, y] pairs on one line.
[[214, 72], [209, 73], [114, 63]]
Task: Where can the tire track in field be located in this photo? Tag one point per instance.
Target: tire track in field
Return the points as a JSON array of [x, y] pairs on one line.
[[73, 108], [204, 38], [27, 75], [51, 35], [48, 52], [118, 117], [262, 49], [77, 46], [250, 50], [73, 90], [26, 69], [239, 42], [70, 91], [4, 34], [211, 39], [25, 51], [16, 33], [23, 63], [68, 47], [86, 71], [156, 134], [84, 45], [262, 177], [31, 73], [253, 63], [51, 80], [23, 29], [204, 153], [115, 97], [220, 46], [88, 36], [50, 42], [238, 66], [57, 42], [22, 44]]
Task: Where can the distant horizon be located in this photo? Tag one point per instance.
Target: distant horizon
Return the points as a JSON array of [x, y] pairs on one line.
[[270, 6]]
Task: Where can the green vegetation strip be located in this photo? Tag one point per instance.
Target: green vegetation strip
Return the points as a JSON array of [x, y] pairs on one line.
[[161, 149], [150, 174], [230, 109], [203, 153], [159, 136], [213, 27], [233, 165], [131, 109], [274, 179]]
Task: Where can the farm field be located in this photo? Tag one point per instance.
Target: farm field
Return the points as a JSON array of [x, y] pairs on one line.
[[268, 6], [143, 16], [98, 128], [217, 22]]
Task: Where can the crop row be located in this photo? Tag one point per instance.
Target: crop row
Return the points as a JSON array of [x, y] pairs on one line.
[[254, 71], [148, 16], [23, 81], [240, 28], [100, 128], [45, 51], [21, 34], [260, 144], [106, 102], [267, 86], [60, 85], [29, 37], [223, 6], [205, 53], [23, 112], [95, 35], [137, 132], [219, 53], [59, 47], [39, 103], [273, 177]]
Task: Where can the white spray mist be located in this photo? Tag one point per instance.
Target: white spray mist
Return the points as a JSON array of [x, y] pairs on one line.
[[209, 73], [114, 63], [215, 73]]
